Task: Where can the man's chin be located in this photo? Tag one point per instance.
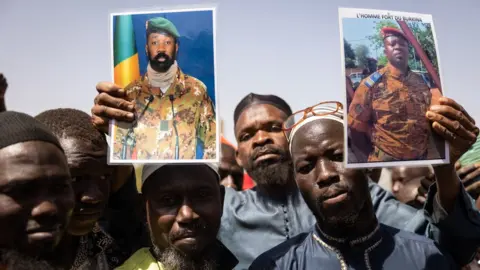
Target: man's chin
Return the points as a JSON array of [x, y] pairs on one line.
[[174, 258], [271, 174], [20, 261]]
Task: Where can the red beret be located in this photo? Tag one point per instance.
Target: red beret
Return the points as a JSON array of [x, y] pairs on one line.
[[390, 31]]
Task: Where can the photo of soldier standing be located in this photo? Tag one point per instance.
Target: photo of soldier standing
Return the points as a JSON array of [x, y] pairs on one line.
[[174, 115], [386, 118]]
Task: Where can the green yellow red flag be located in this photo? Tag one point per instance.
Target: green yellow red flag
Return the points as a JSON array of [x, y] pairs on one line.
[[125, 55]]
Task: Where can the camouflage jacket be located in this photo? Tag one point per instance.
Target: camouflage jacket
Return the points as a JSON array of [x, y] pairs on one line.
[[392, 107], [153, 136]]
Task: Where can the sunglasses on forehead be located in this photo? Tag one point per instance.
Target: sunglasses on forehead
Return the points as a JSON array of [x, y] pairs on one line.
[[320, 109]]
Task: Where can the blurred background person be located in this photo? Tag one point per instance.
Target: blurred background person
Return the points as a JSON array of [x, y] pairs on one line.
[[231, 173], [407, 180]]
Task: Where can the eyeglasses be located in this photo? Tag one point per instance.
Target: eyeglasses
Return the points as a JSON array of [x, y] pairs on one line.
[[320, 109]]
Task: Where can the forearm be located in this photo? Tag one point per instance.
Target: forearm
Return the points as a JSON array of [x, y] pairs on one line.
[[448, 186]]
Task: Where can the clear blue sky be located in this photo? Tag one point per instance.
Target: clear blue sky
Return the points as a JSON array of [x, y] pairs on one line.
[[266, 47]]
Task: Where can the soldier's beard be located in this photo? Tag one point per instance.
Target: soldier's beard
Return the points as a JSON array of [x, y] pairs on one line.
[[162, 66], [15, 260]]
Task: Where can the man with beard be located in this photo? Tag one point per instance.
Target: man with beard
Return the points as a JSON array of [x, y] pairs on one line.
[[184, 208], [86, 245], [3, 90], [386, 117], [347, 233], [274, 210], [231, 173], [36, 194], [175, 117]]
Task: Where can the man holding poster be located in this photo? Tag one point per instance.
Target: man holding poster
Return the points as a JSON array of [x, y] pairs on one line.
[[174, 115], [387, 114]]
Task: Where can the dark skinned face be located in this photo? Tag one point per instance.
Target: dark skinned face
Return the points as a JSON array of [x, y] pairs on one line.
[[262, 146], [334, 194], [36, 197], [91, 182], [161, 51], [396, 51], [184, 208], [230, 172], [406, 180]]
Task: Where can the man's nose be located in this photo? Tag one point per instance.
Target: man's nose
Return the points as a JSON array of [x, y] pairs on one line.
[[326, 172], [92, 195], [46, 208], [261, 138], [186, 214]]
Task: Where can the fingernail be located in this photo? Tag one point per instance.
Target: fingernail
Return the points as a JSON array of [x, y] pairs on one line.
[[130, 115], [131, 107], [430, 115], [443, 99]]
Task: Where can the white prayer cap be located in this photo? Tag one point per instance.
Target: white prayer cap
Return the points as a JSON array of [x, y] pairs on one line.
[[323, 111], [149, 169]]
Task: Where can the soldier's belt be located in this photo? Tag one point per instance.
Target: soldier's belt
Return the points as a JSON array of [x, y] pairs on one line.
[[381, 155]]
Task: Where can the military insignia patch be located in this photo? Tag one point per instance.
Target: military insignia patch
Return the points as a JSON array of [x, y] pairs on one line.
[[163, 126]]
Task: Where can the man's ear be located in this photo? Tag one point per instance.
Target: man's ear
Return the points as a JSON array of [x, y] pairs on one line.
[[176, 48]]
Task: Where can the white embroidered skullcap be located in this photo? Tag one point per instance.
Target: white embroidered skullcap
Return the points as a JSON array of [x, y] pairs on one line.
[[149, 169], [321, 109]]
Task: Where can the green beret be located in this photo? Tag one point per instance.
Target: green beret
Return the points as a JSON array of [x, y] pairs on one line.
[[162, 24]]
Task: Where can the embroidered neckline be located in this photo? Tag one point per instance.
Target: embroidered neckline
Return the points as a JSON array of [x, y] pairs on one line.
[[353, 242], [97, 238]]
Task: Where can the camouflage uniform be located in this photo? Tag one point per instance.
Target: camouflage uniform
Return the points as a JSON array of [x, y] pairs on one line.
[[391, 108], [153, 138]]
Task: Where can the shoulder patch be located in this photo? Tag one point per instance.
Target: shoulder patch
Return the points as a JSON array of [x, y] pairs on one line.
[[372, 79]]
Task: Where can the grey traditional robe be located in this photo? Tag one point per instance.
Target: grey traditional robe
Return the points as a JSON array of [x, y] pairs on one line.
[[252, 224]]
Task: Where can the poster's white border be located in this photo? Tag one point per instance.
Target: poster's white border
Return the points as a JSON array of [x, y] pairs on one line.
[[185, 8], [352, 13]]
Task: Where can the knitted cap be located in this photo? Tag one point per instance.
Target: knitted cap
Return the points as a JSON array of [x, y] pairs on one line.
[[18, 127]]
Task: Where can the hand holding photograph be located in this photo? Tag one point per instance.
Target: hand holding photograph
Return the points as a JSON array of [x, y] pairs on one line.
[[166, 63], [392, 77]]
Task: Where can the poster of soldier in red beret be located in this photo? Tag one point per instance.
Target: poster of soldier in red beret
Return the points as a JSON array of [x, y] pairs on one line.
[[165, 62], [392, 76]]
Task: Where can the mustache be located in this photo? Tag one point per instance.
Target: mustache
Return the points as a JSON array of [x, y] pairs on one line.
[[333, 191], [267, 150], [88, 208], [191, 231], [162, 55]]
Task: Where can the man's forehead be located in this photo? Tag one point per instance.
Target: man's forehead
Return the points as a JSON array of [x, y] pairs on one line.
[[18, 162], [260, 113], [163, 35], [312, 133], [393, 37]]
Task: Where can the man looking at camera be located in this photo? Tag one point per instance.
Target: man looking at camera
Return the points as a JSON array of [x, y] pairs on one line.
[[386, 117], [174, 116]]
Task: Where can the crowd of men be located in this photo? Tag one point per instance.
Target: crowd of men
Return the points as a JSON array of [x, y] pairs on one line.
[[62, 206]]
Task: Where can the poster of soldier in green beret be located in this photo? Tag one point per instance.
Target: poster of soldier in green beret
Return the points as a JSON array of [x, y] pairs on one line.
[[165, 62], [392, 76]]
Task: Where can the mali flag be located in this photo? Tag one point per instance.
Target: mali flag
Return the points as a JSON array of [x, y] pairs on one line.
[[125, 55]]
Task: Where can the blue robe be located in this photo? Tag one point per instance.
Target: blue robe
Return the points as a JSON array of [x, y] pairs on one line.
[[252, 224], [384, 248]]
